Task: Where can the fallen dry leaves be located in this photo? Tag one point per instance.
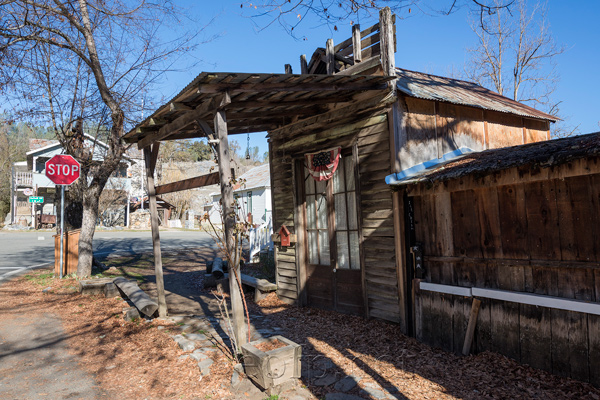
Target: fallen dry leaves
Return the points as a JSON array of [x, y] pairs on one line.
[[137, 360], [377, 352], [130, 360]]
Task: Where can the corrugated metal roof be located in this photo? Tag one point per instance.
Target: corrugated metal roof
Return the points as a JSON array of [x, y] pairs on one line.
[[35, 144], [256, 177], [432, 87], [540, 154]]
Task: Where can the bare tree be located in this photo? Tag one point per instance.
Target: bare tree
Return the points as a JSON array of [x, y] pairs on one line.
[[182, 200], [86, 60], [291, 13], [515, 55]]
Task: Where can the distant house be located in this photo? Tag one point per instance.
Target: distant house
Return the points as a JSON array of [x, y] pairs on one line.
[[29, 179], [253, 192]]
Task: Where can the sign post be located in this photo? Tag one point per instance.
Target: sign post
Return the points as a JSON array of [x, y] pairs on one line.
[[63, 170]]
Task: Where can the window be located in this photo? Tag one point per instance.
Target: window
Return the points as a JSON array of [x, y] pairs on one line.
[[341, 190]]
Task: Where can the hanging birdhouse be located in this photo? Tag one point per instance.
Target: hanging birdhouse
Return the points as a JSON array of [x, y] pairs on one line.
[[285, 236]]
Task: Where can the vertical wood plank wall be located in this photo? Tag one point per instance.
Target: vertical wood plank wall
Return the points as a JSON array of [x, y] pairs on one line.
[[539, 237], [371, 135], [434, 128]]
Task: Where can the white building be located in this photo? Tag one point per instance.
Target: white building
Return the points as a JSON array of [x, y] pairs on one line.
[[29, 177], [253, 193]]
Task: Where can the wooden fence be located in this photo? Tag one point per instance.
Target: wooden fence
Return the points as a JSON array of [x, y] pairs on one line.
[[539, 237]]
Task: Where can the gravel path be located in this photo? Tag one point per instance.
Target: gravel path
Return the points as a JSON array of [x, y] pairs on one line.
[[35, 364]]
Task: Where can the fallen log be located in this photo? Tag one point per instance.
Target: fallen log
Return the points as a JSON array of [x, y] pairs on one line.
[[217, 268], [138, 297]]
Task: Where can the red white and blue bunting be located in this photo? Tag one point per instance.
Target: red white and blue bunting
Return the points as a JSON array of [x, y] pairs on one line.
[[322, 165]]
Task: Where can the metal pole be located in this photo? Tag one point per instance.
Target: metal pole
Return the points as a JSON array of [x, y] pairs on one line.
[[62, 227]]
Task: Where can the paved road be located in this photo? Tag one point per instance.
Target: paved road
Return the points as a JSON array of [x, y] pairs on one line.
[[20, 251]]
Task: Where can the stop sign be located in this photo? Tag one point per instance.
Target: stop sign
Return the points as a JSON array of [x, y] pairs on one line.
[[62, 169]]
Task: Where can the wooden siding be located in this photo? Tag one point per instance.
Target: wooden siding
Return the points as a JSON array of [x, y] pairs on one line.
[[540, 237], [369, 132], [435, 128]]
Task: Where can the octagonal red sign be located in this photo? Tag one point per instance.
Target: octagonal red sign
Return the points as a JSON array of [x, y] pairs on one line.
[[63, 169]]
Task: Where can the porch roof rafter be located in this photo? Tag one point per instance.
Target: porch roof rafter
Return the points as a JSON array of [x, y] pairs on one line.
[[252, 102]]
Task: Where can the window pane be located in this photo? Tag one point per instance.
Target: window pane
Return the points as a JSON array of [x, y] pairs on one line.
[[338, 177], [324, 248], [322, 211], [313, 254], [309, 182], [321, 186], [349, 169], [342, 248], [354, 251], [340, 212], [310, 212], [352, 213]]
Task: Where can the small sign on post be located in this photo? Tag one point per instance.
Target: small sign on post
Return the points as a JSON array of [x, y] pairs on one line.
[[36, 199], [62, 170]]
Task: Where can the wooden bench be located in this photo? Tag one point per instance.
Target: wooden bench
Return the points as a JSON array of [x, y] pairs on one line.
[[262, 286]]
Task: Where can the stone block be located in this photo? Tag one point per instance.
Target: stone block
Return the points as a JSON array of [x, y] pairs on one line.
[[131, 313], [204, 366]]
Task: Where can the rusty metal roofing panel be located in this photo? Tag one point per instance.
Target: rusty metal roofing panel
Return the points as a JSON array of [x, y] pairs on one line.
[[438, 88]]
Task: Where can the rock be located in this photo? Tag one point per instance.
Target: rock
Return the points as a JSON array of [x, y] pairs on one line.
[[204, 366], [47, 289], [326, 380], [196, 336], [208, 350], [374, 390], [186, 345], [183, 357], [341, 396], [110, 290], [199, 355], [347, 383], [131, 313], [186, 328], [236, 378]]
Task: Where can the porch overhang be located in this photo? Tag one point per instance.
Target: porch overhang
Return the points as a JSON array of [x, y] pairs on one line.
[[252, 103]]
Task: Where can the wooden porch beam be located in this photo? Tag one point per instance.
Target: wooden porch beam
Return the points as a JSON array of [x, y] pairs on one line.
[[228, 209], [186, 119], [191, 183], [150, 157], [289, 87]]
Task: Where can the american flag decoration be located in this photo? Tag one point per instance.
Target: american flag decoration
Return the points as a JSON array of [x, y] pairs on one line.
[[322, 165]]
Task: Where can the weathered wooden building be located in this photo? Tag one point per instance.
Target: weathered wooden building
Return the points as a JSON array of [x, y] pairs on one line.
[[351, 235], [348, 254], [519, 230]]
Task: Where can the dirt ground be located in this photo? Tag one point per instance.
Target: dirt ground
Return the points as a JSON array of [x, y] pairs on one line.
[[134, 360]]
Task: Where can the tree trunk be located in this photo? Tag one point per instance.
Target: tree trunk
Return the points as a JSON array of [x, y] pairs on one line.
[[88, 227]]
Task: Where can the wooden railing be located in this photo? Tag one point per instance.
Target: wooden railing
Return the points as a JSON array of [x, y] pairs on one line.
[[362, 46], [24, 178], [260, 238]]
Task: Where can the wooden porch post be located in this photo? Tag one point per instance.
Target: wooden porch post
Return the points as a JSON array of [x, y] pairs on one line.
[[150, 157], [228, 209]]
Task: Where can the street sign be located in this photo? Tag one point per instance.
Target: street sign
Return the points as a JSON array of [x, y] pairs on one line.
[[36, 199], [63, 169], [28, 192]]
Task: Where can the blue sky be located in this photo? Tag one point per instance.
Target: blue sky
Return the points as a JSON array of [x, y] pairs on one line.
[[429, 43]]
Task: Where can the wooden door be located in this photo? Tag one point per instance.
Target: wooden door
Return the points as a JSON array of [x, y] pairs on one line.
[[333, 268]]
